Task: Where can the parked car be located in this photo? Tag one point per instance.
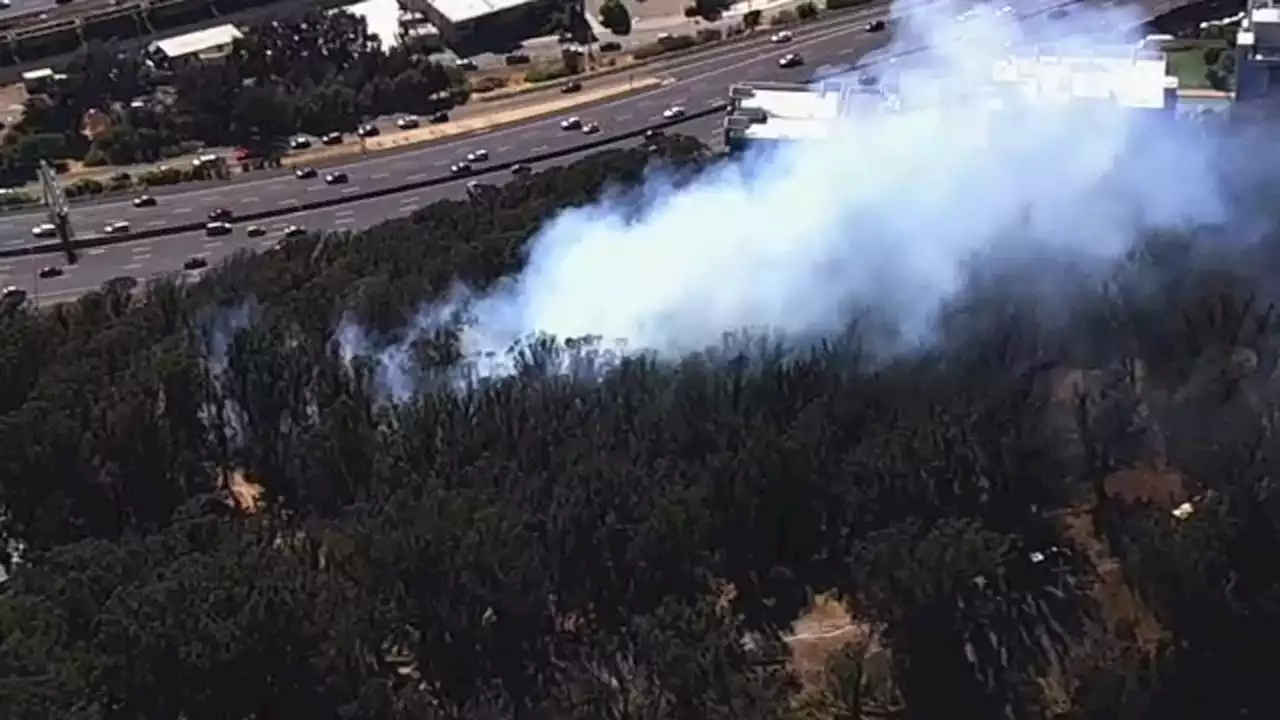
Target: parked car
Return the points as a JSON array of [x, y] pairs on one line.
[[333, 138], [299, 143], [439, 117], [408, 122], [368, 130]]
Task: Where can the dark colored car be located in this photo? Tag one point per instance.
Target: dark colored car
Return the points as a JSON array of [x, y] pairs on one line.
[[876, 26], [144, 201], [610, 46], [571, 87], [305, 173], [439, 117], [333, 138], [50, 272], [220, 214], [336, 178], [520, 169], [195, 263]]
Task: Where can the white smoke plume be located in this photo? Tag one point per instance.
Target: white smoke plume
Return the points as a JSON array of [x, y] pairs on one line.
[[890, 211]]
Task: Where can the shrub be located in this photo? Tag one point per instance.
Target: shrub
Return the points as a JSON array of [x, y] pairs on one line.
[[546, 74], [645, 52], [677, 42], [707, 35], [94, 158], [85, 186], [16, 198], [488, 84], [806, 11], [751, 20], [786, 17]]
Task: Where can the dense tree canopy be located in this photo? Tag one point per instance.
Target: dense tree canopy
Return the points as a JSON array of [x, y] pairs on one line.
[[317, 74], [1003, 516]]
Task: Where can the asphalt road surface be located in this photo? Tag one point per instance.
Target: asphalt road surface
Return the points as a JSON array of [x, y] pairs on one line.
[[701, 82]]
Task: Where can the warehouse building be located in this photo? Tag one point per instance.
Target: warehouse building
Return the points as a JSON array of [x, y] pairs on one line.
[[467, 24], [1258, 52], [208, 45], [768, 113]]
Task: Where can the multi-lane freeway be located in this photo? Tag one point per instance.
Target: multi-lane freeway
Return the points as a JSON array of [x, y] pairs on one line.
[[699, 83]]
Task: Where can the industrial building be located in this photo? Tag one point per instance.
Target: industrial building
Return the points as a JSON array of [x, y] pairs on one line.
[[1132, 77], [1258, 51], [210, 44], [484, 23]]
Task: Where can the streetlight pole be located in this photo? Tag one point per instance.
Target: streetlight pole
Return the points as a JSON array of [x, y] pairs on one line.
[[55, 202]]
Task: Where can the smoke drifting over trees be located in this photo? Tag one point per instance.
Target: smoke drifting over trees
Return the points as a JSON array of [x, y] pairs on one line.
[[1019, 429]]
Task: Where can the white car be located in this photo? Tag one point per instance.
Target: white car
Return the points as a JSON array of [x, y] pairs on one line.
[[44, 230], [118, 227], [217, 227], [571, 123], [476, 156], [407, 122], [673, 112], [780, 37], [590, 128], [294, 231]]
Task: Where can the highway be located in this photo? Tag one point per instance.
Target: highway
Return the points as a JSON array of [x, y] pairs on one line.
[[701, 82]]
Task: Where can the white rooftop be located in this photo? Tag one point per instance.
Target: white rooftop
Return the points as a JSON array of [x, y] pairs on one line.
[[457, 11], [198, 41], [1140, 80]]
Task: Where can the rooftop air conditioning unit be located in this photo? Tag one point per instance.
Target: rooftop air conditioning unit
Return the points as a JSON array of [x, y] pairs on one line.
[[741, 92]]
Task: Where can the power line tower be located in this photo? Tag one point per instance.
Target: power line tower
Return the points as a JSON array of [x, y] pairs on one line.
[[55, 203]]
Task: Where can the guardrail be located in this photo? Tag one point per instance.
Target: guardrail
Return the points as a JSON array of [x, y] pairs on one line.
[[94, 241]]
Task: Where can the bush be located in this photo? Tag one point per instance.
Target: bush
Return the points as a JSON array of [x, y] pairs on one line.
[[16, 198], [1211, 55], [692, 11], [547, 74], [786, 17], [644, 52], [94, 158], [488, 84], [677, 42], [85, 186], [806, 11], [751, 20], [707, 35], [614, 15], [120, 181]]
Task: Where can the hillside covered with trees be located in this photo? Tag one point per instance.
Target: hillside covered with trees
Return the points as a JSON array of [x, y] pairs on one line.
[[1065, 515]]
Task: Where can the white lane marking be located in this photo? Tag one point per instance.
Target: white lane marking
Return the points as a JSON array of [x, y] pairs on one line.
[[140, 249], [440, 163], [344, 213], [344, 221], [212, 244], [202, 253], [504, 148], [405, 209], [97, 251], [130, 266], [540, 148], [283, 203], [180, 211], [249, 200], [154, 223], [346, 191], [142, 256], [417, 176], [380, 176]]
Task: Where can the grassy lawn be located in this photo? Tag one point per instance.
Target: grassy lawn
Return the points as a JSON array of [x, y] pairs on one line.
[[1188, 65]]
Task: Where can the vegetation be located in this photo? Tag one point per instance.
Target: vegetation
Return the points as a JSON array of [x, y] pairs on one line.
[[218, 516], [615, 16], [320, 73]]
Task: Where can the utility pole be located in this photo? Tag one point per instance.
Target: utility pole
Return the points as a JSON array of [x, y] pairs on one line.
[[55, 203]]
